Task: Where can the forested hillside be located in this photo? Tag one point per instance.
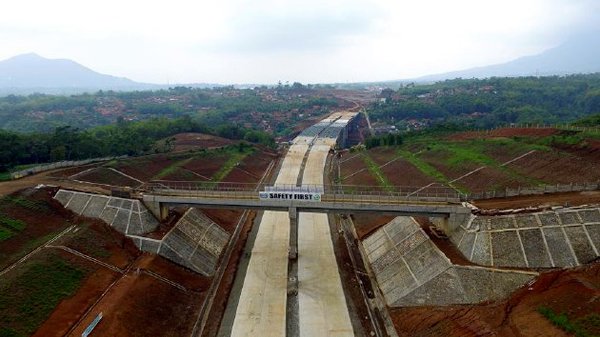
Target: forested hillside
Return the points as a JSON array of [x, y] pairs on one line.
[[491, 102], [271, 109], [122, 138]]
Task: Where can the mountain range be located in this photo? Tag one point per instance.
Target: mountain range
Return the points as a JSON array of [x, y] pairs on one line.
[[579, 54], [30, 73]]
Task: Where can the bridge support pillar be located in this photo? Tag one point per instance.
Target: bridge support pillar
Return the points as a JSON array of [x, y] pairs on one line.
[[292, 307], [450, 223], [160, 210], [293, 248]]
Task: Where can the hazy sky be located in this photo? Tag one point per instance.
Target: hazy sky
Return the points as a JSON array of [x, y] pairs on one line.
[[265, 41]]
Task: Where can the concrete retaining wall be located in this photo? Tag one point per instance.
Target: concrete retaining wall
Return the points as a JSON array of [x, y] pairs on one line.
[[128, 216], [195, 242], [561, 238], [411, 271]]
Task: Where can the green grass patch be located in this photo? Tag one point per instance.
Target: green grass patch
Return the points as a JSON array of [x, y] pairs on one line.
[[5, 233], [236, 156], [113, 163], [467, 152], [32, 205], [10, 223], [423, 166], [89, 241], [7, 259], [172, 168], [376, 172], [27, 300], [5, 176], [587, 326]]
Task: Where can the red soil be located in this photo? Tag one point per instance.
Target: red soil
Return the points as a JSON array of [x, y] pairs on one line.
[[71, 309], [252, 168], [506, 132], [44, 222], [561, 168], [350, 283], [403, 173], [206, 166], [65, 173], [183, 174], [145, 168], [574, 292], [366, 223], [226, 218], [140, 305], [101, 242], [105, 176], [443, 243], [351, 166], [176, 273], [382, 155], [488, 179], [221, 298], [545, 200], [137, 305], [195, 141], [437, 160]]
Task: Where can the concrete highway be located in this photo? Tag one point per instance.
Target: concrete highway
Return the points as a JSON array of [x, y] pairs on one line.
[[262, 305], [261, 310], [323, 310]]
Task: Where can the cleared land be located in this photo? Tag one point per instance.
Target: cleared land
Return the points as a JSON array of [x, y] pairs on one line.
[[244, 164], [90, 268], [564, 291], [479, 161]]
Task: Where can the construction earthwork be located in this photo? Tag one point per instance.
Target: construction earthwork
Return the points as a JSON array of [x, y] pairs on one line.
[[197, 271]]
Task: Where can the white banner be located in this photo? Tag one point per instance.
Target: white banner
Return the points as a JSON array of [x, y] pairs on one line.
[[290, 195]]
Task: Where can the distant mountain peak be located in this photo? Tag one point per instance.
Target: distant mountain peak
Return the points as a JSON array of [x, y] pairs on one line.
[[28, 55], [35, 72], [578, 54]]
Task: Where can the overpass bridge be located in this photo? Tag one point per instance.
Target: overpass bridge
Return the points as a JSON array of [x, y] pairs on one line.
[[440, 203]]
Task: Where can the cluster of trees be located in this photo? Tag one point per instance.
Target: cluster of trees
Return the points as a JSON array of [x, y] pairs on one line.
[[39, 112], [384, 140], [122, 138], [495, 101], [590, 121]]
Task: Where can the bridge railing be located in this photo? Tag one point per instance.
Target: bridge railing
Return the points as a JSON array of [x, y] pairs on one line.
[[333, 193]]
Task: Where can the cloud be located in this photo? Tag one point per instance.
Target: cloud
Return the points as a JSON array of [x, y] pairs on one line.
[[269, 26], [233, 41]]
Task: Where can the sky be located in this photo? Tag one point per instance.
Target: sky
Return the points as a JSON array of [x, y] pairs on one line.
[[267, 41]]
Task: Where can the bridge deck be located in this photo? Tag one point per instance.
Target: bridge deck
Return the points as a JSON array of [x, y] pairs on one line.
[[339, 203]]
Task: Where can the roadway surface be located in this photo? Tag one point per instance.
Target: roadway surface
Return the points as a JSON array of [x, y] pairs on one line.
[[322, 304], [261, 310]]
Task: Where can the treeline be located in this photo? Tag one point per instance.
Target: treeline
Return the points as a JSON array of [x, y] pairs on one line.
[[590, 121], [495, 101], [40, 112], [384, 140], [122, 138]]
